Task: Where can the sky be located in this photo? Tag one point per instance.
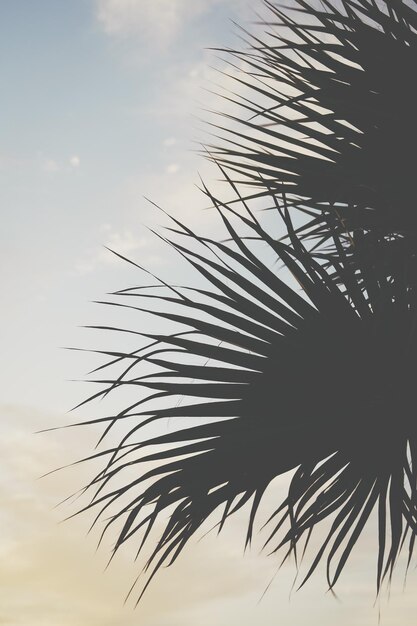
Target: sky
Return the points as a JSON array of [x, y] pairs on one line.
[[102, 107]]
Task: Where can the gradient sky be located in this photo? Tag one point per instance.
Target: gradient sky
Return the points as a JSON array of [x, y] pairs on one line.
[[100, 106]]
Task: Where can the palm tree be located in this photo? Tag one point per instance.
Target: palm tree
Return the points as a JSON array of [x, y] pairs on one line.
[[313, 373]]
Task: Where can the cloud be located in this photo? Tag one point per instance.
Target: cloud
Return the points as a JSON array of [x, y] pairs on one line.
[[74, 161], [169, 142], [49, 165], [123, 242], [53, 165], [158, 20], [172, 168], [11, 162]]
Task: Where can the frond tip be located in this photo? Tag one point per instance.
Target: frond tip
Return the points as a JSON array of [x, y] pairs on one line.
[[319, 381]]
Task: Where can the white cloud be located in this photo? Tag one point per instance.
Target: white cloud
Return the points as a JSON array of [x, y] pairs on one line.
[[50, 165], [9, 162], [124, 243], [74, 161], [158, 20], [172, 168], [169, 142]]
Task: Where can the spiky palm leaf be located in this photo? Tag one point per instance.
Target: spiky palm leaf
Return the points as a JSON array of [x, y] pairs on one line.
[[328, 100], [319, 381]]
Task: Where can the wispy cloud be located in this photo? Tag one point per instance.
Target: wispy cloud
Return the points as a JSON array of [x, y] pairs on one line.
[[169, 142], [158, 20], [172, 168], [52, 165], [49, 165], [74, 161], [123, 242]]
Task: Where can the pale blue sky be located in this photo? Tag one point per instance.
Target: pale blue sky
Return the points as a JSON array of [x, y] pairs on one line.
[[99, 108]]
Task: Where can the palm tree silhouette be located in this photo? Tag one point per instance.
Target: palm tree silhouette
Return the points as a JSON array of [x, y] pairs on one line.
[[313, 373]]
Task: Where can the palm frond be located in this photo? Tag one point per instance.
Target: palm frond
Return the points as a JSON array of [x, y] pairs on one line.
[[272, 379], [327, 104]]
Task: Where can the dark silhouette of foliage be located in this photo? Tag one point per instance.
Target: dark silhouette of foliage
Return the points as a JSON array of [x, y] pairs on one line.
[[333, 107], [313, 373]]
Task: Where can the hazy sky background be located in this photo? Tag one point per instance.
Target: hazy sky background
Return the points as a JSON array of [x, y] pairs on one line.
[[100, 107]]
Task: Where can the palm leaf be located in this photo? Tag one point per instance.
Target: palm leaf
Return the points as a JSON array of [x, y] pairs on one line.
[[327, 105], [318, 381]]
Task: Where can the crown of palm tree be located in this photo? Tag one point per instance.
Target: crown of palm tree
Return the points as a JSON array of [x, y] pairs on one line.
[[332, 118], [318, 381]]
